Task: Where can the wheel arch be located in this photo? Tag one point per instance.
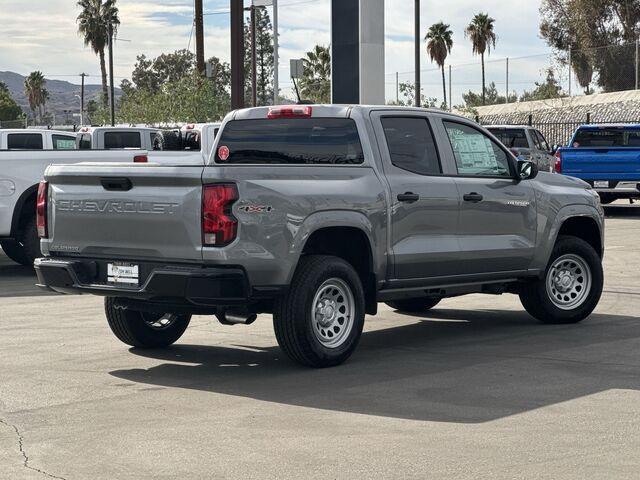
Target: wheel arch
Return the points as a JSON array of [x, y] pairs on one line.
[[19, 212]]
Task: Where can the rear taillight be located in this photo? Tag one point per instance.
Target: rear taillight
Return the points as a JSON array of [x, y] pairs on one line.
[[558, 165], [219, 226], [41, 209], [140, 159], [290, 111]]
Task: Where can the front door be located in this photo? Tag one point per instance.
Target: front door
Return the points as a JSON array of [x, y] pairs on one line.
[[424, 203], [497, 223]]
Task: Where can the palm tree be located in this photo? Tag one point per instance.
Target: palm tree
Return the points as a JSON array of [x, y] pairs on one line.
[[36, 93], [439, 43], [482, 36], [315, 83], [93, 25]]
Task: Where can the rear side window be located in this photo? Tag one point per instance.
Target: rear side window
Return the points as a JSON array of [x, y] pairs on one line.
[[84, 141], [63, 142], [511, 138], [114, 140], [24, 141], [607, 137], [542, 142], [309, 141], [411, 144]]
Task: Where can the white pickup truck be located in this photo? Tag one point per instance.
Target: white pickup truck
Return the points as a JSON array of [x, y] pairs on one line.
[[24, 156]]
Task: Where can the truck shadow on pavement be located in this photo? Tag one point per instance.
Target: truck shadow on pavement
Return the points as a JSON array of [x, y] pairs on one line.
[[450, 366], [18, 281]]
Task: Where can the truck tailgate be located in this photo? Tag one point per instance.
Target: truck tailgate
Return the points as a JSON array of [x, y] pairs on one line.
[[602, 163], [125, 212]]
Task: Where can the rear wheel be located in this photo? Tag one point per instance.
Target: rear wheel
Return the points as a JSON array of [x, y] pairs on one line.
[[571, 287], [414, 305], [29, 240], [144, 329], [14, 251], [319, 322]]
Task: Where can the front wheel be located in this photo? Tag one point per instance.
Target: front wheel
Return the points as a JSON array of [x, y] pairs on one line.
[[144, 329], [318, 323], [571, 287]]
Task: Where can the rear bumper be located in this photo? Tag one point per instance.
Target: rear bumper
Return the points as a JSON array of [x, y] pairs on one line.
[[190, 288]]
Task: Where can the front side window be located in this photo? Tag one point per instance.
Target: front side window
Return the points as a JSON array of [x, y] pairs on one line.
[[24, 141], [411, 144], [63, 142], [116, 140], [475, 153], [309, 141], [542, 141]]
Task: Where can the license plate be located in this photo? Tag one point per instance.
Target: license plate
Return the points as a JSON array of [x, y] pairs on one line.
[[600, 184], [123, 274]]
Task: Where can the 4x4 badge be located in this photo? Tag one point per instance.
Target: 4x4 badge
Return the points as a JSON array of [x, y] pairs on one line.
[[256, 209]]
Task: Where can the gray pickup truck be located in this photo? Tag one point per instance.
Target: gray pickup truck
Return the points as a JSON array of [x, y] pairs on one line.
[[315, 214]]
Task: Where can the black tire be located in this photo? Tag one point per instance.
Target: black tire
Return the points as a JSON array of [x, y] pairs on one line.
[[297, 330], [171, 140], [606, 198], [14, 251], [414, 305], [29, 240], [537, 301], [135, 328]]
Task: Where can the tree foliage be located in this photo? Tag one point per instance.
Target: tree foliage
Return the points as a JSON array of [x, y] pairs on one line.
[[36, 93], [549, 89], [439, 44], [482, 35], [93, 24], [151, 75], [600, 34], [315, 84], [408, 97], [264, 58], [9, 109]]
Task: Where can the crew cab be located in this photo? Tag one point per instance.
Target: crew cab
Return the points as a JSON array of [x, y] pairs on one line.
[[32, 139], [527, 143], [315, 214], [605, 156]]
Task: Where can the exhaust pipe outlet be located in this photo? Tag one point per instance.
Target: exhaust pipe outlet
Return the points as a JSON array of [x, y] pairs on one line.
[[233, 318]]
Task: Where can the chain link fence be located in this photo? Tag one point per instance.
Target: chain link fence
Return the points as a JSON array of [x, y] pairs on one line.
[[611, 68]]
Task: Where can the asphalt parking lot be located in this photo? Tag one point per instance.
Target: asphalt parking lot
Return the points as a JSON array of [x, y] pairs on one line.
[[474, 389]]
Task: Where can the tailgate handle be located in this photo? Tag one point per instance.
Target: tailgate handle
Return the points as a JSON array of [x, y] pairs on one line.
[[116, 184]]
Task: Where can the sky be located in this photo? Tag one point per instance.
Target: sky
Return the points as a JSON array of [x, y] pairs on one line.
[[44, 37]]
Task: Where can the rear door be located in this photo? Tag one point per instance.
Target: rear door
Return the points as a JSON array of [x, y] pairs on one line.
[[497, 222], [424, 212]]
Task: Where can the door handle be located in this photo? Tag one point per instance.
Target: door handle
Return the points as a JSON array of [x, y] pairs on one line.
[[116, 184], [473, 197], [408, 197]]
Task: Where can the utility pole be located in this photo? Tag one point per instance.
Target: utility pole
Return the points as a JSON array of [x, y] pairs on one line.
[[507, 99], [450, 93], [276, 54], [418, 42], [570, 72], [111, 88], [397, 88], [254, 61], [237, 54], [199, 22], [83, 75], [637, 59]]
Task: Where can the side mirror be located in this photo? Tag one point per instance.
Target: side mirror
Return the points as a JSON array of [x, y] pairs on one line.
[[527, 170]]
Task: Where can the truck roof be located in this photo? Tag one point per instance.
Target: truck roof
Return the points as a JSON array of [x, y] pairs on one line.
[[333, 111], [508, 127], [36, 130], [601, 126], [133, 129]]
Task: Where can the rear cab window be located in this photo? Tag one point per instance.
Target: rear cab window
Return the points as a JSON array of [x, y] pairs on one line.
[[119, 140], [84, 141], [607, 137], [24, 141], [512, 137], [309, 141]]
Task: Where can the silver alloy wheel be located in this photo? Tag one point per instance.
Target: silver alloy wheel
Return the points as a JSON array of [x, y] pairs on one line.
[[568, 282], [332, 313], [158, 321]]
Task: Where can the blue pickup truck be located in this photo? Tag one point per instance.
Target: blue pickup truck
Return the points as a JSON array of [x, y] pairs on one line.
[[607, 157]]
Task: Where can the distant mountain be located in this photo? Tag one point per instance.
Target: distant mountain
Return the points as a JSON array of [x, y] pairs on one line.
[[62, 93]]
